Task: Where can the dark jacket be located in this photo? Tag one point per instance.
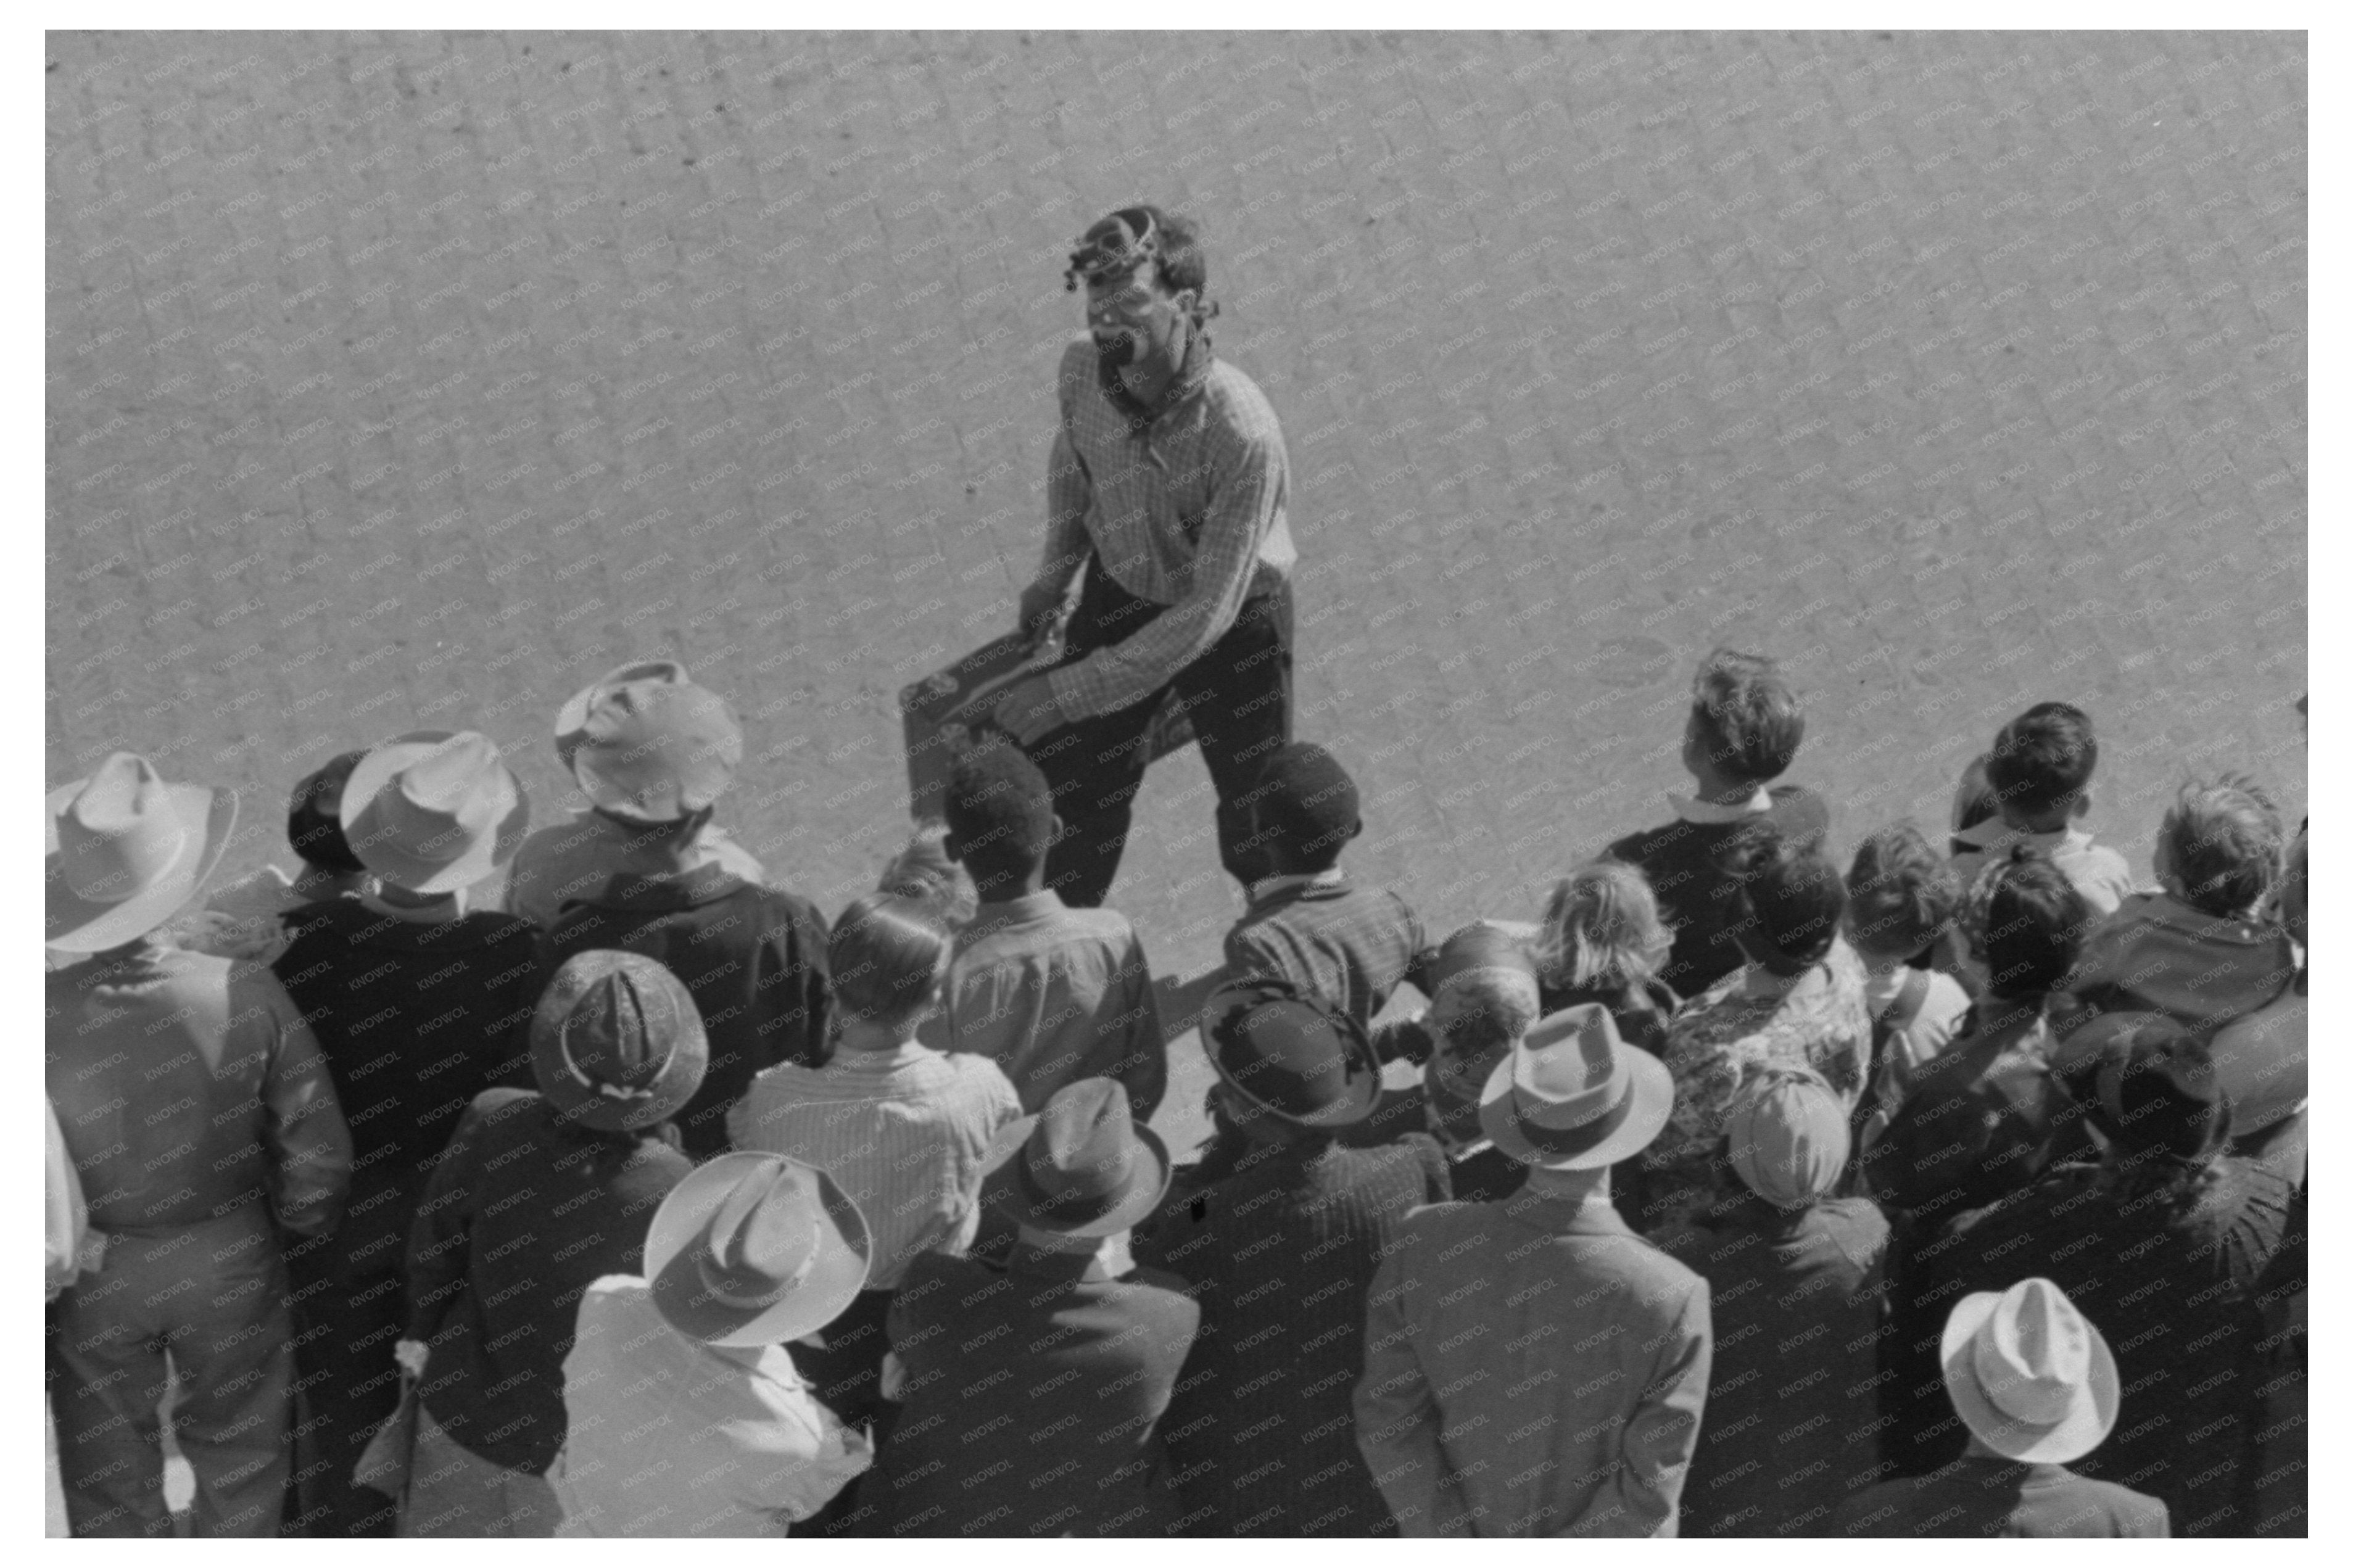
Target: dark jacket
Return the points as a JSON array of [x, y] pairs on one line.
[[1978, 1498], [523, 1215], [1699, 900], [2169, 1273], [1032, 1399], [415, 1020], [752, 957], [1279, 1254], [1796, 1300]]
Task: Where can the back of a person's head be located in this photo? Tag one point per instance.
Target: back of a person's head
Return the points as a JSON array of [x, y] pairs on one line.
[[1601, 927], [887, 954], [1306, 806], [1745, 716], [2042, 760], [1000, 814], [314, 827], [924, 870], [1973, 800], [2219, 847], [2025, 922], [1900, 893], [1793, 896]]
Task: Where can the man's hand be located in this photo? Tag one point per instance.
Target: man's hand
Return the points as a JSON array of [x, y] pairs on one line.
[[1039, 606], [411, 1354], [1028, 710]]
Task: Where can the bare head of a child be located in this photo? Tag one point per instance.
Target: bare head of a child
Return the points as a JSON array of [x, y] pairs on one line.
[[1793, 900], [2221, 848], [1601, 931], [1744, 723], [2025, 923], [2040, 767], [1901, 895]]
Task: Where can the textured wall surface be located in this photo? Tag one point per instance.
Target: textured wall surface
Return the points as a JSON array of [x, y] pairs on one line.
[[407, 380]]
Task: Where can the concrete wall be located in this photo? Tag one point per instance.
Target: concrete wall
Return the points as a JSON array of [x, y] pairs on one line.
[[401, 380]]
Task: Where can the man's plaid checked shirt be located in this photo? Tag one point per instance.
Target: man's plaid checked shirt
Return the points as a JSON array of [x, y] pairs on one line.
[[1189, 513]]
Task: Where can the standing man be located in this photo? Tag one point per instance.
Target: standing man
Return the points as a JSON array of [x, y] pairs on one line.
[[202, 1127], [1169, 485]]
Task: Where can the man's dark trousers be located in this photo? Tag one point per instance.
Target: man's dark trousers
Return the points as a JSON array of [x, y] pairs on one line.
[[1237, 698]]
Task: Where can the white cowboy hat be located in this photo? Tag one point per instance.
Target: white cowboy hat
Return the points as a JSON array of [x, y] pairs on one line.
[[434, 811], [2029, 1374], [125, 850], [755, 1250], [1573, 1096]]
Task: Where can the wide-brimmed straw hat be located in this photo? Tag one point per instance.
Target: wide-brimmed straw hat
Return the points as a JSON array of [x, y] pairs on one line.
[[1287, 1052], [1572, 1096], [2029, 1374], [571, 719], [616, 1042], [1080, 1166], [755, 1249], [655, 749], [434, 810], [125, 850]]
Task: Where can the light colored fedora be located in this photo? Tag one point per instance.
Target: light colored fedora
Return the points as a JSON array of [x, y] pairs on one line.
[[434, 811], [2029, 1374], [125, 850], [655, 750], [1574, 1096], [755, 1250]]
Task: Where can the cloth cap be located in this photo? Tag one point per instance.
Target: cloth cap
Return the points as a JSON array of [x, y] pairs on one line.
[[655, 750], [1788, 1139], [616, 1042]]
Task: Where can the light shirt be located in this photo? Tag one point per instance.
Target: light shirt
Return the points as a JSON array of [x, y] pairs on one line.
[[1189, 514], [1053, 995], [2097, 872], [1691, 808], [668, 1437], [903, 1131]]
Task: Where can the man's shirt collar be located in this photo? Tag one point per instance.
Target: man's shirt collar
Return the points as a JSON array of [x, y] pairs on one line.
[[1690, 808]]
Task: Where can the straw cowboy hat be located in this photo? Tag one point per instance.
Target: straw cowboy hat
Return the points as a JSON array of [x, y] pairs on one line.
[[616, 1042], [1084, 1167], [655, 748], [434, 811], [125, 850], [571, 719], [1287, 1052], [755, 1250], [1574, 1096], [2029, 1374]]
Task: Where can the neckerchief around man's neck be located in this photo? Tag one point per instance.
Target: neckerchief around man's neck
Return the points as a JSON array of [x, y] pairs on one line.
[[1191, 375]]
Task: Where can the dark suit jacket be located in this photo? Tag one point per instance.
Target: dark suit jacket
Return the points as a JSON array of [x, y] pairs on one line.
[[1032, 1400], [753, 957]]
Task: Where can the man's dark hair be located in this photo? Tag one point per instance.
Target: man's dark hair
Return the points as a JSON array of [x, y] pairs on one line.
[[314, 830], [1180, 262], [2033, 924], [1000, 812], [1792, 891], [1307, 808], [1747, 715], [2042, 759]]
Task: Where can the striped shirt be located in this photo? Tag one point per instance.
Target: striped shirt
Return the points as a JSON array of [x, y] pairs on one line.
[[1189, 512], [903, 1131]]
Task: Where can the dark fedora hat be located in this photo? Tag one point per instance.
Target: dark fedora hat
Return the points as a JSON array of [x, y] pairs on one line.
[[1288, 1053], [1080, 1167], [616, 1042]]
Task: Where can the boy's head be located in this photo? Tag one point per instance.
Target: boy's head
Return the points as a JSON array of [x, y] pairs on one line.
[[1793, 895], [1901, 895], [2218, 849], [1601, 927], [1745, 722], [1000, 818], [2025, 923], [2041, 764], [313, 821], [888, 957], [1304, 806]]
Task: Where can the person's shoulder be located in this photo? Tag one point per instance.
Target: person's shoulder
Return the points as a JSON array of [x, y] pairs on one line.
[[1876, 1509], [1240, 404], [1799, 813], [2136, 1512], [1643, 843], [494, 927]]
